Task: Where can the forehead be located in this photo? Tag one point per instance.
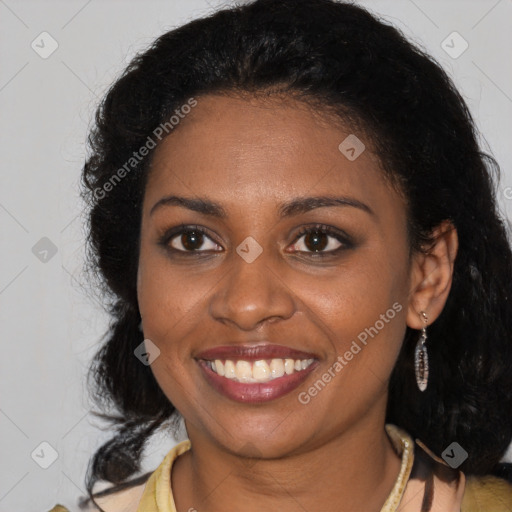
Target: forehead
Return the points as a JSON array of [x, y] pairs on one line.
[[257, 150]]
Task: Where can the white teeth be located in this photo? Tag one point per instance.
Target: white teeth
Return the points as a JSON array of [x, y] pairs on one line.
[[229, 370], [243, 371], [261, 371], [276, 368], [258, 371], [219, 367], [288, 366]]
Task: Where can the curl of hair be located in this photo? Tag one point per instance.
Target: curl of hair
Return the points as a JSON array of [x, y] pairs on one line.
[[339, 57]]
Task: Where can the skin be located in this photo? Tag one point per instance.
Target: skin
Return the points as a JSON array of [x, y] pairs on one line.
[[250, 155]]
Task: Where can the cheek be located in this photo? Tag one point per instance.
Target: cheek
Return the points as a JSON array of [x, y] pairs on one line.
[[356, 295], [166, 299], [361, 309], [165, 307]]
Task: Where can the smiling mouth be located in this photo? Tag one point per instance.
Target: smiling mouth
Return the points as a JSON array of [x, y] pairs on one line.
[[255, 373], [263, 370]]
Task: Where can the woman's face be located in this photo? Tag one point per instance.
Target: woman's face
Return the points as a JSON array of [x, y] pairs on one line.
[[339, 294]]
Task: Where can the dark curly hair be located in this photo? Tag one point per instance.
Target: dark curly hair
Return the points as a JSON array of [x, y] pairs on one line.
[[344, 59]]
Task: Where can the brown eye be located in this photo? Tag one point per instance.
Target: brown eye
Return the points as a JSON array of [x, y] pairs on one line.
[[316, 241], [321, 240], [192, 240]]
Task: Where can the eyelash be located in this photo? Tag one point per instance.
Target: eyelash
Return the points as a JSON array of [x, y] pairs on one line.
[[345, 240]]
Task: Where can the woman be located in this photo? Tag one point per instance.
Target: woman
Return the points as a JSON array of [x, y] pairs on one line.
[[300, 241]]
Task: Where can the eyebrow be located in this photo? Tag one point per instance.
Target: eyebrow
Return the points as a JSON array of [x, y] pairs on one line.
[[288, 209]]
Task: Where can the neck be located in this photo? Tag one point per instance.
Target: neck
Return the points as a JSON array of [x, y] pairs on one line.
[[352, 471]]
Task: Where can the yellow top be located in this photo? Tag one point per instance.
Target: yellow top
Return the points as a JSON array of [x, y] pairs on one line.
[[421, 473]]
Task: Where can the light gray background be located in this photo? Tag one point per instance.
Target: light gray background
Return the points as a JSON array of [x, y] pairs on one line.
[[50, 328]]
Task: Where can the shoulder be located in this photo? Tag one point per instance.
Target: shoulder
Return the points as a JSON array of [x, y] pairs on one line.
[[129, 498], [487, 493], [126, 500]]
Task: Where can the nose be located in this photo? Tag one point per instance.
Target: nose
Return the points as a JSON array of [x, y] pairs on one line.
[[251, 294]]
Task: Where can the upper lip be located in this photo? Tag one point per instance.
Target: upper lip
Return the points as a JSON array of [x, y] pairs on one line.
[[253, 352]]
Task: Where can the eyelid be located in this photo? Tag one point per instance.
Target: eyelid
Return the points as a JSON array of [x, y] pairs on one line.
[[343, 238], [171, 233]]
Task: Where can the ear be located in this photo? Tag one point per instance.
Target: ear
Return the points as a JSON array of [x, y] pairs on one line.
[[431, 276]]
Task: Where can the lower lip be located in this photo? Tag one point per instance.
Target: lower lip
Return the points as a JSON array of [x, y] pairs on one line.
[[256, 392]]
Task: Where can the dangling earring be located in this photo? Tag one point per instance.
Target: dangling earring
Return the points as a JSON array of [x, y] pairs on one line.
[[421, 357]]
